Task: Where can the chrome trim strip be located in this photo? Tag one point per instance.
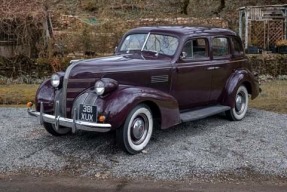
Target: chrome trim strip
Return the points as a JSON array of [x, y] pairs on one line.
[[65, 85], [82, 80], [159, 79], [71, 123], [64, 93], [75, 90]]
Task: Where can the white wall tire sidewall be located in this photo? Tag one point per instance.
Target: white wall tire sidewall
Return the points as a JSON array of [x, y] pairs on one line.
[[242, 115], [148, 114]]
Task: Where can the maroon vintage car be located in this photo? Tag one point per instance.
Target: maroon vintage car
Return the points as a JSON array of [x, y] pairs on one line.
[[158, 75]]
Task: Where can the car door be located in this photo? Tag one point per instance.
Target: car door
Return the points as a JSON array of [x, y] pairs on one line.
[[192, 82], [224, 62]]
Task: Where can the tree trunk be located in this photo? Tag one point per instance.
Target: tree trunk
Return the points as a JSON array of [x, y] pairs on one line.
[[184, 7], [222, 6]]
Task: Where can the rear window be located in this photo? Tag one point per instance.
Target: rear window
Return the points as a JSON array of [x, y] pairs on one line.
[[220, 47], [238, 48]]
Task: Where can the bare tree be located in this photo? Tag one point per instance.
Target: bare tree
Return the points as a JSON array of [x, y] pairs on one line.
[[21, 22], [220, 8]]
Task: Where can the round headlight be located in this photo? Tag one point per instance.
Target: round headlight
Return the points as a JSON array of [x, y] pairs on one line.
[[55, 80], [100, 87]]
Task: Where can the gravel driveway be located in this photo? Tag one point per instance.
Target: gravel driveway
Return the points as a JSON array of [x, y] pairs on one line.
[[212, 147]]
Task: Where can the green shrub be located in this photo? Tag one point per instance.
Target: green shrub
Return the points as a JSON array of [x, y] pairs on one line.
[[271, 64]]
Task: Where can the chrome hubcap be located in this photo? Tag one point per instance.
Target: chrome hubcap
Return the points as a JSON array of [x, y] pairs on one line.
[[240, 103], [138, 128]]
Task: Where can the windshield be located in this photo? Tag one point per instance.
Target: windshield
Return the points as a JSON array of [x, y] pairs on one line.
[[163, 44]]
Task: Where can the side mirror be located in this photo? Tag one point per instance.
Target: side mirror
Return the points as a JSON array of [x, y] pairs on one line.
[[183, 55]]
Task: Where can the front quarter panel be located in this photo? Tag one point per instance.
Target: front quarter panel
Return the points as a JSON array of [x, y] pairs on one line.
[[119, 103], [45, 94]]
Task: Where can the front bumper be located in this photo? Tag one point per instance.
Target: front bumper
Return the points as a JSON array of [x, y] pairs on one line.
[[74, 124]]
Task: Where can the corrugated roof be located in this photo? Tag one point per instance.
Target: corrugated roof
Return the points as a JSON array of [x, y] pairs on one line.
[[263, 6]]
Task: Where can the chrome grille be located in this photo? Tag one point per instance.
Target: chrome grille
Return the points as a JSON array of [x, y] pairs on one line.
[[74, 88]]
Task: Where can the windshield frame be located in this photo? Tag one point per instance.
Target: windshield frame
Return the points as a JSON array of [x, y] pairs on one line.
[[148, 34]]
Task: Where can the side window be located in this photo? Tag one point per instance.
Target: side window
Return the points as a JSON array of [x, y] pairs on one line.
[[196, 49], [238, 49], [220, 47]]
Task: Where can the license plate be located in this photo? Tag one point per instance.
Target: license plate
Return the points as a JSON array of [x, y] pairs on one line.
[[88, 113]]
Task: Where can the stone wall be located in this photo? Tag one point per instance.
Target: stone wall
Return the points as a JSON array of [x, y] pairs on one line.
[[185, 21]]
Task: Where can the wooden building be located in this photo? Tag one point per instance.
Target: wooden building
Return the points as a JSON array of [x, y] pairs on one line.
[[263, 26]]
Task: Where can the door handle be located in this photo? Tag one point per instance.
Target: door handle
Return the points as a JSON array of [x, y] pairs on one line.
[[212, 68]]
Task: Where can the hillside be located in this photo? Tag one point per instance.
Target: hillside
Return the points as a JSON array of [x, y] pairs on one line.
[[134, 9]]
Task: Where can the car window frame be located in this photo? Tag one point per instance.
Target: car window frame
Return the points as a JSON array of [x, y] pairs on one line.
[[208, 58], [229, 55], [236, 38], [150, 32]]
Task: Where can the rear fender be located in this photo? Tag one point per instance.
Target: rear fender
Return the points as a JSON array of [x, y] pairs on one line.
[[239, 77]]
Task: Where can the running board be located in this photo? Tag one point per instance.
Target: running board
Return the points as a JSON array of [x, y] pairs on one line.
[[202, 113]]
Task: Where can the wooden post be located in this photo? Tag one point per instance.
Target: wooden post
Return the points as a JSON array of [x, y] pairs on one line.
[[266, 44], [240, 23], [285, 11], [246, 27]]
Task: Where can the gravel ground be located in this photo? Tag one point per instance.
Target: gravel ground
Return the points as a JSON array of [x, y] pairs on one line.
[[206, 148]]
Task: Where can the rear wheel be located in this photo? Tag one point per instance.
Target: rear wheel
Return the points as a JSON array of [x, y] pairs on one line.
[[137, 130], [241, 105], [50, 128]]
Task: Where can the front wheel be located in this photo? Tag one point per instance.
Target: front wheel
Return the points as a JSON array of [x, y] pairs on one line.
[[50, 128], [137, 130], [241, 105]]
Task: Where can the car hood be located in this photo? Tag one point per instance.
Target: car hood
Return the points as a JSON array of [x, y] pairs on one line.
[[98, 67]]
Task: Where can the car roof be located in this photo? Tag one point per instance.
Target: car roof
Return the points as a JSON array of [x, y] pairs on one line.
[[184, 30]]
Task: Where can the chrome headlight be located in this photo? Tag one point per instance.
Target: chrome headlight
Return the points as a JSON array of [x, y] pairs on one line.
[[100, 87], [105, 86], [55, 80]]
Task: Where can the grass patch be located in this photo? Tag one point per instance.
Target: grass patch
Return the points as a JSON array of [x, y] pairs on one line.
[[17, 94], [273, 97]]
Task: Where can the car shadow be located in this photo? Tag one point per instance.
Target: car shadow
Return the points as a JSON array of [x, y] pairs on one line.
[[105, 143]]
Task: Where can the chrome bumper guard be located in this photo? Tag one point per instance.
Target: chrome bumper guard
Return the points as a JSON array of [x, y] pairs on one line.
[[74, 124]]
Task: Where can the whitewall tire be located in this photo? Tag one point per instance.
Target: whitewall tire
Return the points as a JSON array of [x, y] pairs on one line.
[[137, 130], [239, 111]]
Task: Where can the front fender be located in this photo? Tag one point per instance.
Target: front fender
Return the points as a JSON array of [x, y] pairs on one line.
[[239, 77], [120, 102], [45, 94]]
